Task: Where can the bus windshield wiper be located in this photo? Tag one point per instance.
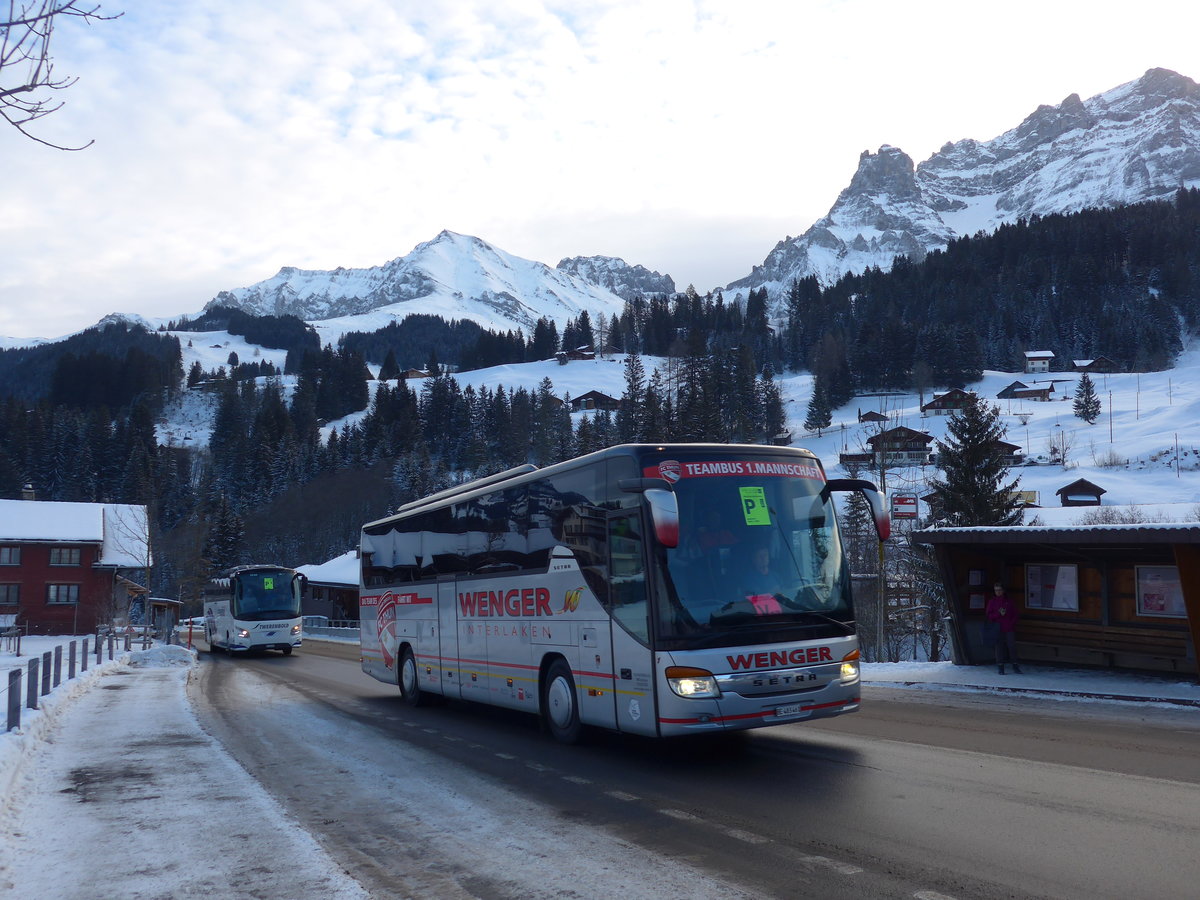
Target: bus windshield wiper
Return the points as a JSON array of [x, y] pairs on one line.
[[847, 626]]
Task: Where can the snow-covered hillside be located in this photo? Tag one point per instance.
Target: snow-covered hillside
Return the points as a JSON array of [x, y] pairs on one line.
[[1130, 451]]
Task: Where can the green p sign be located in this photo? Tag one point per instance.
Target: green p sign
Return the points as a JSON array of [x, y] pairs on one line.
[[754, 506]]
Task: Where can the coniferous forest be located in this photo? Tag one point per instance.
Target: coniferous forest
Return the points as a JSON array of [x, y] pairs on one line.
[[277, 483]]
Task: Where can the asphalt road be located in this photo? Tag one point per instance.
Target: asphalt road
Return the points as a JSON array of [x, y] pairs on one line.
[[918, 795]]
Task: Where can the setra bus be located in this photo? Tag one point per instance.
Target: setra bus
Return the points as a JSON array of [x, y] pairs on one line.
[[249, 608], [658, 590]]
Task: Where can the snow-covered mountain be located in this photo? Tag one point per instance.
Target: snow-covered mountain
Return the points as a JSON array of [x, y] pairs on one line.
[[454, 276], [1136, 142], [618, 276]]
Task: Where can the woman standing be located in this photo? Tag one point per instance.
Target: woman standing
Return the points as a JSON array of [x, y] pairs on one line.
[[1002, 614]]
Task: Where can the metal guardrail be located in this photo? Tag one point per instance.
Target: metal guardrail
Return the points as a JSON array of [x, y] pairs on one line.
[[331, 631]]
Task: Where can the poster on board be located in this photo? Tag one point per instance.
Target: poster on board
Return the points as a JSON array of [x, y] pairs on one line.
[[1052, 587], [1159, 592]]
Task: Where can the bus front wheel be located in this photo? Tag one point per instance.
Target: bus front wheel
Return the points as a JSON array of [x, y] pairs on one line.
[[409, 681], [560, 708]]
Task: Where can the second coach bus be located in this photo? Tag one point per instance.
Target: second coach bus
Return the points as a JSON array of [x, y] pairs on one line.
[[253, 608], [658, 590]]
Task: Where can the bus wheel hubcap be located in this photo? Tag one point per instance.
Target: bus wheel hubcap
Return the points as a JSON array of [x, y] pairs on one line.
[[560, 702]]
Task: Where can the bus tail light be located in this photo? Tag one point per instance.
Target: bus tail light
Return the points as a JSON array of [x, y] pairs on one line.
[[850, 664], [689, 682]]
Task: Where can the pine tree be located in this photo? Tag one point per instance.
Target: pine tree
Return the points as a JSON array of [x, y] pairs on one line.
[[1087, 404], [631, 413], [390, 368], [971, 491], [820, 415]]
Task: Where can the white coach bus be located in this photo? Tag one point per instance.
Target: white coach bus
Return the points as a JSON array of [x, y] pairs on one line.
[[251, 608], [652, 589]]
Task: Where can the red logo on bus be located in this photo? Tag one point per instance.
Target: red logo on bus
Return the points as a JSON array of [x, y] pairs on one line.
[[670, 471]]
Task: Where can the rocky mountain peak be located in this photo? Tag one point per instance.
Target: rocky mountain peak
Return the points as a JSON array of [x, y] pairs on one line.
[[889, 171], [1139, 141], [618, 276]]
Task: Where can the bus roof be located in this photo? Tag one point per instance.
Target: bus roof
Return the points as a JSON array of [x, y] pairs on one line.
[[529, 472]]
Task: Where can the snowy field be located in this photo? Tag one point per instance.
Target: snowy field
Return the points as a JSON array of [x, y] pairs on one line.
[[1144, 448]]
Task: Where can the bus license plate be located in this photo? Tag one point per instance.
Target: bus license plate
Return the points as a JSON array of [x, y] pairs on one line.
[[795, 709]]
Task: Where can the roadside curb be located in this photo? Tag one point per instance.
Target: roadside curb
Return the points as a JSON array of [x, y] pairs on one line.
[[1047, 692]]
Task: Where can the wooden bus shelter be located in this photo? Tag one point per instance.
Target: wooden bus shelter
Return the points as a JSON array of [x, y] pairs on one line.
[[1116, 596]]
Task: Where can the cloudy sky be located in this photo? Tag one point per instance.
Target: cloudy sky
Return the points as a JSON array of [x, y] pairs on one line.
[[689, 136]]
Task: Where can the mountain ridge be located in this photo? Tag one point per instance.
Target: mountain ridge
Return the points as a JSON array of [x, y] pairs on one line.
[[1136, 142]]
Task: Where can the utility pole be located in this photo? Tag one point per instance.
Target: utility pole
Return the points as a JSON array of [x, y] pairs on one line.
[[882, 617]]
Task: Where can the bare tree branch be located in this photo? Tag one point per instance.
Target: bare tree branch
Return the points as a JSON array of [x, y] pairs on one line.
[[27, 77]]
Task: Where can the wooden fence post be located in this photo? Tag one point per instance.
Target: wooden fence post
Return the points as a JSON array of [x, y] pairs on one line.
[[14, 699], [57, 665], [71, 661], [46, 657], [31, 688]]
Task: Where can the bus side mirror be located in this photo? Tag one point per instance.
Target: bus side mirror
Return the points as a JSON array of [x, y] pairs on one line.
[[879, 512], [664, 514]]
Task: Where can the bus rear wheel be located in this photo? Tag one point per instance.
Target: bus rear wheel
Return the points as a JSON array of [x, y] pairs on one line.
[[560, 707], [408, 679]]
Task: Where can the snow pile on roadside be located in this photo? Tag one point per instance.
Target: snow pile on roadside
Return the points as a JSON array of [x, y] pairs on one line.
[[162, 656]]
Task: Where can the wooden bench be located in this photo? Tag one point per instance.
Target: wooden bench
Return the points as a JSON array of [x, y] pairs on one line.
[[1113, 646]]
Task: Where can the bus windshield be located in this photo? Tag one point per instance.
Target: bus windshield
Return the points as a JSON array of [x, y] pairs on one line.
[[759, 557], [266, 595]]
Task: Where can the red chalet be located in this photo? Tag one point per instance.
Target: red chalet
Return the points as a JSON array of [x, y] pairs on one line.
[[63, 565]]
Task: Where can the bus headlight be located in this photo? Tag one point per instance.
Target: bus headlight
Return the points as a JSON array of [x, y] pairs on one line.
[[295, 629], [850, 665], [692, 683], [243, 633]]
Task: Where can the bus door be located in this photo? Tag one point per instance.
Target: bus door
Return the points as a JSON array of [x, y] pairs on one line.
[[629, 603], [446, 666]]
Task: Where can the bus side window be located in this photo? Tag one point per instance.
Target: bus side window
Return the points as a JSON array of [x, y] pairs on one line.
[[627, 574]]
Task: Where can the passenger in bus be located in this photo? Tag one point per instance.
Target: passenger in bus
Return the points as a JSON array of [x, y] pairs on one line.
[[761, 584], [713, 533]]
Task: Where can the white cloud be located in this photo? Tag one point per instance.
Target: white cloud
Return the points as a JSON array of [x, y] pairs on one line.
[[233, 138]]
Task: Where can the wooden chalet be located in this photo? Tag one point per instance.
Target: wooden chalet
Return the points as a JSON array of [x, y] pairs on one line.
[[1080, 492], [1010, 392], [1112, 596], [871, 416], [1038, 395], [1100, 365], [579, 353], [594, 400], [944, 404], [331, 589], [899, 446], [1038, 361]]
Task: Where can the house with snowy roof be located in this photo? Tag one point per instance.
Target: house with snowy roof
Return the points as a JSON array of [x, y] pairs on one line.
[[66, 568], [1101, 365], [1037, 361], [331, 589]]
